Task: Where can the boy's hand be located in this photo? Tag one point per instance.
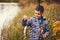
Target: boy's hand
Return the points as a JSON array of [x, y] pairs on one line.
[[25, 17], [44, 36]]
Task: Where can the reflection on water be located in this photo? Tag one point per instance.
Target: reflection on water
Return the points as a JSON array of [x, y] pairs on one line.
[[7, 12]]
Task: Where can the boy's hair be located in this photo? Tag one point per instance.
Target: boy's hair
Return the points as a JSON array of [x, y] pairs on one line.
[[40, 8]]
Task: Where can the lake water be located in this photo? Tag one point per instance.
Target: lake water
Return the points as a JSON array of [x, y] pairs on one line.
[[7, 12]]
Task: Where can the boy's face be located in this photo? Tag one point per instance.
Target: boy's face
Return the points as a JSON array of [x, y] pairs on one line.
[[38, 14]]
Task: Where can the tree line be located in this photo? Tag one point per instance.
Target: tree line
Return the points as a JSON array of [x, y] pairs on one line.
[[30, 1]]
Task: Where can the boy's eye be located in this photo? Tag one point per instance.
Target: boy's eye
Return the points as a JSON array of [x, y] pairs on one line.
[[37, 13]]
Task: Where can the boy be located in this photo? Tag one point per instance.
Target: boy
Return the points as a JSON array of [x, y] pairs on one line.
[[35, 25]]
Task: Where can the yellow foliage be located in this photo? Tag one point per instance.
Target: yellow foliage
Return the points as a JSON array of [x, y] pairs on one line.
[[56, 27]]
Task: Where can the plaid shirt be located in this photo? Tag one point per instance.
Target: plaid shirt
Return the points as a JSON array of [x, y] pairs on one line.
[[35, 28]]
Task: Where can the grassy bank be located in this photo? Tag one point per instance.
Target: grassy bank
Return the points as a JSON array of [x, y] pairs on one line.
[[15, 31]]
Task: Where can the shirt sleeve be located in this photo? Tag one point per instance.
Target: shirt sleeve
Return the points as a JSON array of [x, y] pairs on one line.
[[47, 29], [29, 22], [24, 22]]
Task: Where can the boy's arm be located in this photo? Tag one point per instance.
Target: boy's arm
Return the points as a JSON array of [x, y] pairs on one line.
[[25, 28], [47, 30], [24, 22]]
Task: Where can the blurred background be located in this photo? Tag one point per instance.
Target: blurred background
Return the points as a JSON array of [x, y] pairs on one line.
[[12, 11]]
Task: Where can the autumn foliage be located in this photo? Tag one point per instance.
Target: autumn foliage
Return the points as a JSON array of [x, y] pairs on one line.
[[56, 29]]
